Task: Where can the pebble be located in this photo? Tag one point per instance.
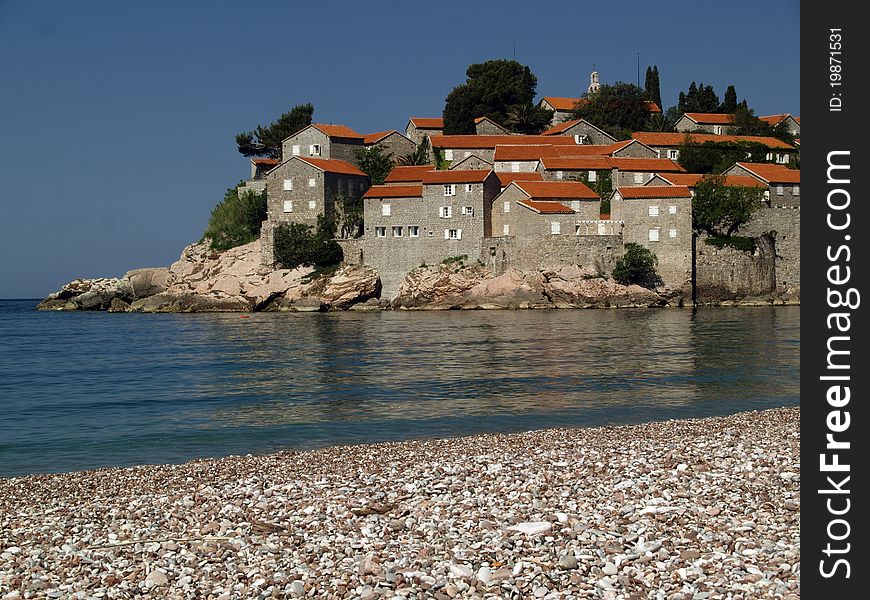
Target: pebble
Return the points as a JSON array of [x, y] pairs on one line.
[[567, 513]]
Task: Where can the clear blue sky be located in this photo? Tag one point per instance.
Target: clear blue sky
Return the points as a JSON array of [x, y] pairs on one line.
[[118, 118]]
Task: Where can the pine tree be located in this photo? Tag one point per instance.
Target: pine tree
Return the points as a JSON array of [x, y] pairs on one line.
[[651, 86], [729, 102]]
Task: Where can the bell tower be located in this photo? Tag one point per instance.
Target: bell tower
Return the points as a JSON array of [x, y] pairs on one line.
[[593, 81]]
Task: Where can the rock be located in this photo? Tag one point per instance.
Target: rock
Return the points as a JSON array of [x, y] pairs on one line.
[[147, 282], [573, 287], [609, 569], [532, 527], [568, 561], [117, 305], [306, 305], [690, 555], [297, 588], [350, 285], [189, 302], [484, 575], [460, 570], [156, 578], [88, 294]]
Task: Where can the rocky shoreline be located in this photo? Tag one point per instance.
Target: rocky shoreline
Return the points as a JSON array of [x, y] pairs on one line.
[[698, 509], [203, 280]]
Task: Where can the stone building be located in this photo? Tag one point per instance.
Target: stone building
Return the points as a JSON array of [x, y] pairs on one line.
[[259, 168], [472, 161], [793, 124], [301, 189], [590, 168], [690, 180], [715, 123], [667, 144], [563, 108], [391, 142], [519, 159], [632, 149], [486, 126], [582, 131], [506, 178], [659, 218], [419, 128], [638, 171], [324, 141], [784, 184], [532, 208], [456, 147]]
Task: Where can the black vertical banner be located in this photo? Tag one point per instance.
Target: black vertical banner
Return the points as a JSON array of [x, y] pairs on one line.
[[835, 367]]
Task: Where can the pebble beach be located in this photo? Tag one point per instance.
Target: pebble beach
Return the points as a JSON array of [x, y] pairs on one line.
[[689, 509]]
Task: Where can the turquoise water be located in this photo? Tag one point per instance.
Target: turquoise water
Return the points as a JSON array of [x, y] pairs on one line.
[[84, 390]]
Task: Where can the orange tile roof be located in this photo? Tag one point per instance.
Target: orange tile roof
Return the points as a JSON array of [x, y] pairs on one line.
[[772, 173], [342, 131], [655, 191], [428, 122], [563, 104], [556, 129], [691, 179], [556, 189], [798, 119], [710, 118], [546, 207], [470, 176], [645, 164], [469, 142], [534, 152], [331, 165], [675, 139], [653, 107], [506, 178], [411, 173], [395, 191], [578, 163], [604, 216], [774, 120], [373, 138], [266, 162]]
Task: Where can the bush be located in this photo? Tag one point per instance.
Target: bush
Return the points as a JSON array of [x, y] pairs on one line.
[[637, 266], [747, 244], [237, 219], [296, 244]]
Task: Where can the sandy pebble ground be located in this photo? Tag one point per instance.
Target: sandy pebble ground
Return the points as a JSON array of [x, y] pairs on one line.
[[680, 509]]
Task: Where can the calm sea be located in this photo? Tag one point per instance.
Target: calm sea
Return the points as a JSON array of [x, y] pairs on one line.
[[82, 390]]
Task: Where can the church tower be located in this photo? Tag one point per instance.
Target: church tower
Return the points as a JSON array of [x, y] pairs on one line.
[[593, 82]]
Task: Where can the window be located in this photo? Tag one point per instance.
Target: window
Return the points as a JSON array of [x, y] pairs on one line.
[[469, 187], [507, 206], [385, 210], [450, 189], [559, 174], [296, 150], [288, 206], [653, 211], [506, 230], [312, 182], [581, 139], [555, 227], [672, 233], [796, 190], [452, 234], [780, 190], [638, 177], [673, 154], [717, 129], [314, 150], [768, 156], [468, 210], [445, 212], [397, 231], [653, 235], [381, 231], [602, 229], [413, 231], [593, 176], [672, 210], [448, 155], [515, 167], [362, 185], [577, 230], [312, 204], [288, 185]]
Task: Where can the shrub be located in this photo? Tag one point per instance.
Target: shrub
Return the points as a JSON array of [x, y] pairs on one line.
[[296, 244], [237, 219], [637, 266], [747, 244]]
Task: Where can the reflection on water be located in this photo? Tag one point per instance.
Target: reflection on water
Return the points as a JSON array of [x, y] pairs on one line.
[[103, 389]]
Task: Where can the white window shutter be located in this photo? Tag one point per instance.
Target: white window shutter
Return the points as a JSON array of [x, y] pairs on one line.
[[446, 234], [458, 234]]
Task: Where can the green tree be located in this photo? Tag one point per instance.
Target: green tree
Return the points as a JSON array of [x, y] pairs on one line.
[[350, 211], [729, 102], [420, 156], [716, 157], [637, 267], [719, 210], [618, 109], [266, 141], [375, 163], [652, 87], [528, 119], [236, 219], [490, 90], [699, 98], [746, 123], [296, 244]]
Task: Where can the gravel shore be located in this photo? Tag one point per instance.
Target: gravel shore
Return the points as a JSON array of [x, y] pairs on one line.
[[680, 509]]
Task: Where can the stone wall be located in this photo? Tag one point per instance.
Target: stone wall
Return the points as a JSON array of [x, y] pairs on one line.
[[335, 148], [395, 145], [530, 253], [785, 225], [730, 275], [593, 135], [637, 150]]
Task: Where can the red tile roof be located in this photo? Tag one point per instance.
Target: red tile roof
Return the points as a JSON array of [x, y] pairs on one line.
[[491, 141], [534, 152], [457, 176], [710, 118], [265, 162], [507, 178], [655, 191], [538, 190], [578, 163], [556, 129], [428, 122], [331, 165], [341, 131], [563, 104], [395, 191], [691, 179], [413, 173], [772, 173], [546, 207], [376, 137], [675, 139], [608, 162], [653, 107], [646, 164], [774, 120]]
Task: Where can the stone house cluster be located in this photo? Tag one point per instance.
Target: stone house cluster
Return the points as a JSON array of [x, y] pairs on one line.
[[522, 201]]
